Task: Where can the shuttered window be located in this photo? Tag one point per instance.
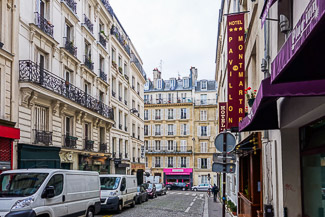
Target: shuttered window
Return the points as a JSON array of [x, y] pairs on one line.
[[41, 118]]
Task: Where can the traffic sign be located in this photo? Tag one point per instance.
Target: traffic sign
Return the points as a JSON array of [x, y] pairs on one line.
[[218, 158], [230, 144], [221, 168]]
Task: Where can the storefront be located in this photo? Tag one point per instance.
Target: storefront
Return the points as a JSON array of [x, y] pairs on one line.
[[172, 175], [93, 162], [32, 156], [7, 136]]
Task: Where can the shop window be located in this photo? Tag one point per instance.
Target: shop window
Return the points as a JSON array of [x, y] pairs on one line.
[[5, 150]]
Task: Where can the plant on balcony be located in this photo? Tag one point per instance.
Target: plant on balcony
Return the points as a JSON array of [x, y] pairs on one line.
[[114, 64], [120, 69], [103, 34], [250, 96]]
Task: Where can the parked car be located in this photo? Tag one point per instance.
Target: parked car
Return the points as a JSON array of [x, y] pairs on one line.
[[49, 192], [201, 187], [117, 191], [142, 195], [178, 185], [151, 189], [161, 189]]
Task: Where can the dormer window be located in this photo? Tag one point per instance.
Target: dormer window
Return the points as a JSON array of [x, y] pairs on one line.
[[147, 85], [186, 83], [172, 83], [204, 85], [159, 84]]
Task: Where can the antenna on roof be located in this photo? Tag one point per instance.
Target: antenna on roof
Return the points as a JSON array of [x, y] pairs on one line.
[[161, 65]]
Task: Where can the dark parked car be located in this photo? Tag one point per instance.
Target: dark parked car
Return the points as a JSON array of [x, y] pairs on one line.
[[178, 185], [151, 189], [142, 195], [161, 189]]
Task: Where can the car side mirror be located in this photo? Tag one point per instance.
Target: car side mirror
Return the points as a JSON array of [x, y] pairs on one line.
[[48, 192]]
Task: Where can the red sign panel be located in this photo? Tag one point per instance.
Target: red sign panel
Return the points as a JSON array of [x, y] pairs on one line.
[[222, 116], [236, 69]]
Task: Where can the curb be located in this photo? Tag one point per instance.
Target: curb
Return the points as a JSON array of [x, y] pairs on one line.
[[206, 207]]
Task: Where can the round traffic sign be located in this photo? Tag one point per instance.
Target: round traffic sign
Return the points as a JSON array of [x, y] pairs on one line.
[[230, 142]]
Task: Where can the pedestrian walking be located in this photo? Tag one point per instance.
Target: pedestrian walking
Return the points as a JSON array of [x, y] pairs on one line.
[[215, 191]]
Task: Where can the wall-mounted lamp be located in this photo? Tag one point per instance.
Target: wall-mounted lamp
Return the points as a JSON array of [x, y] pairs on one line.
[[284, 24]]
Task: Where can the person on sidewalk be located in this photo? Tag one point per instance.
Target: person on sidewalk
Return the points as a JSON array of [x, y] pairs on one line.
[[215, 191]]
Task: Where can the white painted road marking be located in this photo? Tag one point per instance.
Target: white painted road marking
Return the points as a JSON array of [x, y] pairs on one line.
[[188, 209], [191, 204], [187, 193], [201, 195], [193, 195], [179, 193]]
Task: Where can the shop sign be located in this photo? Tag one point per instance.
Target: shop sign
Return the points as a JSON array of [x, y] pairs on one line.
[[222, 116], [236, 69], [177, 170], [97, 163]]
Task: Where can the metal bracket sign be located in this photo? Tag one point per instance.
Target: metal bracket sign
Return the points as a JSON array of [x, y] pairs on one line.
[[230, 145], [220, 168]]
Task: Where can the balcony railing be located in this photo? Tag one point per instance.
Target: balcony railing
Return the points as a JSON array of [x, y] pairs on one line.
[[126, 129], [88, 63], [170, 117], [89, 145], [183, 165], [120, 98], [69, 46], [170, 149], [170, 165], [204, 167], [146, 133], [168, 101], [157, 134], [88, 24], [204, 134], [137, 63], [103, 147], [43, 24], [102, 40], [31, 72], [157, 165], [157, 117], [108, 7], [113, 93], [71, 4], [205, 102], [127, 77], [120, 38], [103, 75], [43, 137], [170, 133], [70, 141]]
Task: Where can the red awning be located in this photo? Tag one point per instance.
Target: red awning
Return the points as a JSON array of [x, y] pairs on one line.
[[263, 115], [9, 132]]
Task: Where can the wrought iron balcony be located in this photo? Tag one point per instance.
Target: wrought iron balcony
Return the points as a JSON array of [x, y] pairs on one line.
[[170, 165], [43, 24], [108, 7], [120, 98], [102, 40], [126, 129], [43, 137], [170, 133], [204, 167], [69, 46], [31, 72], [137, 63], [157, 117], [157, 165], [120, 38], [113, 93], [71, 4], [88, 63], [183, 165], [70, 141], [126, 76], [103, 147], [103, 75], [164, 149], [89, 145], [88, 24], [157, 134]]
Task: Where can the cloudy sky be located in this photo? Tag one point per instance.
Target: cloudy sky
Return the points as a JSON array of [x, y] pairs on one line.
[[181, 33]]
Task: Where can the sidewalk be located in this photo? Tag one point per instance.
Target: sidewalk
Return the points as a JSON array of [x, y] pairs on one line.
[[215, 209]]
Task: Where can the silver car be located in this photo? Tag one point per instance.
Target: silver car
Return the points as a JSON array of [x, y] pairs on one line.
[[201, 187]]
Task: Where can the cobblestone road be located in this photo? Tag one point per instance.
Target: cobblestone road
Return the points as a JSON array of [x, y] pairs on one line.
[[175, 203]]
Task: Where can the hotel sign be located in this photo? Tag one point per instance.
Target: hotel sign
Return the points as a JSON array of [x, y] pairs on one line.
[[236, 69], [222, 116]]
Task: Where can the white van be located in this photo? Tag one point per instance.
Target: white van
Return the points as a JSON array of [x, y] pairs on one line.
[[49, 193], [117, 191]]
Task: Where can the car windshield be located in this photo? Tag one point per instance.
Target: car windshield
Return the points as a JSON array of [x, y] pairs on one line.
[[158, 186], [109, 183], [20, 184]]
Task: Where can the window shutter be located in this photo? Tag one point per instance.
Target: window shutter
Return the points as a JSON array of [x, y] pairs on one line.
[[198, 131], [201, 115], [149, 130], [154, 114], [174, 114], [162, 114], [174, 145], [199, 163], [209, 163], [201, 147], [182, 129], [166, 130], [149, 114], [179, 162], [166, 114], [178, 113], [188, 162], [185, 145], [174, 128], [166, 162], [208, 133], [174, 162], [153, 162], [188, 114], [187, 129], [166, 145], [149, 145]]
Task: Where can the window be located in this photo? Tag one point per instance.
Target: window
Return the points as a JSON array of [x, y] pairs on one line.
[[146, 161], [158, 113], [68, 33], [158, 98], [172, 84], [183, 113], [203, 115], [86, 88], [183, 145], [186, 83], [204, 147], [146, 114], [43, 9], [113, 55], [87, 50], [204, 131], [170, 98], [184, 129], [170, 145], [157, 132], [68, 126], [170, 161], [183, 162], [40, 118], [157, 145], [157, 162], [170, 114], [119, 61], [133, 82], [183, 97], [147, 85], [101, 96], [159, 84], [170, 129], [204, 163], [101, 63], [146, 145], [204, 99], [204, 85], [57, 182], [204, 179], [125, 69], [87, 131], [102, 137]]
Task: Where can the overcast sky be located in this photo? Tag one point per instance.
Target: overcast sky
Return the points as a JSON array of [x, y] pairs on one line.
[[181, 33]]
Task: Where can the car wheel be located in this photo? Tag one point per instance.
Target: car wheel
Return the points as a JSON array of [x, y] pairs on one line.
[[90, 212], [140, 200], [133, 203], [119, 207], [183, 189], [195, 189]]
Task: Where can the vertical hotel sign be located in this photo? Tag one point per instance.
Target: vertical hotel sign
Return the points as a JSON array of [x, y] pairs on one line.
[[222, 116], [236, 69]]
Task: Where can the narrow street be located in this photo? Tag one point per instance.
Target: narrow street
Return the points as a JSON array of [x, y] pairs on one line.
[[175, 203]]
